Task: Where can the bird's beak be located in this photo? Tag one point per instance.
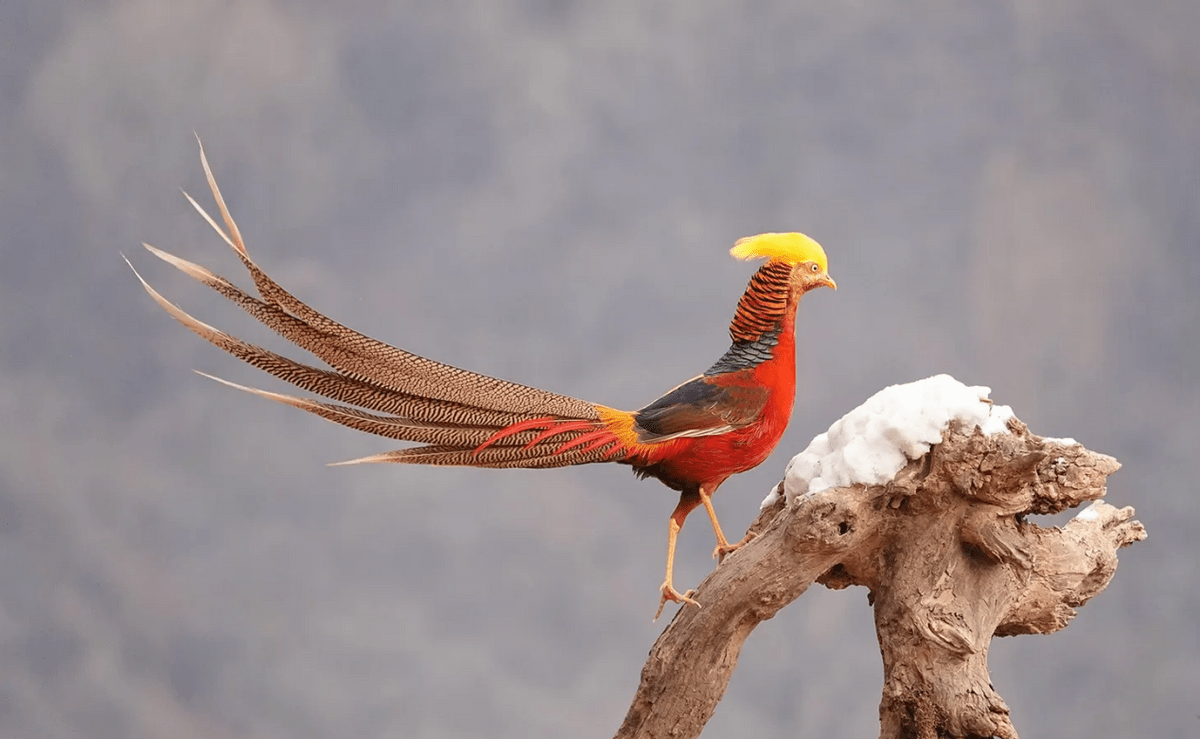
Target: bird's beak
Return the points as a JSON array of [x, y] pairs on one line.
[[828, 282]]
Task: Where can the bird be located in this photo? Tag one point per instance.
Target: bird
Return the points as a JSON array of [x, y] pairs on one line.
[[721, 422]]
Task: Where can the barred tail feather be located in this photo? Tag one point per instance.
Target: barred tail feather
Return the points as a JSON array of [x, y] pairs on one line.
[[350, 365], [493, 457], [390, 427], [454, 432], [462, 418], [409, 418], [578, 442], [333, 385], [358, 355]]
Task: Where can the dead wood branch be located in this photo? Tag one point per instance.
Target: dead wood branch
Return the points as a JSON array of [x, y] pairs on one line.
[[949, 561]]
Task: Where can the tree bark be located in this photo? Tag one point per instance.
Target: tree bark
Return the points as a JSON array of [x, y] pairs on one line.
[[949, 560]]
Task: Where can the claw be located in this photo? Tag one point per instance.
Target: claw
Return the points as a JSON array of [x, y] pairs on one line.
[[670, 593], [724, 549]]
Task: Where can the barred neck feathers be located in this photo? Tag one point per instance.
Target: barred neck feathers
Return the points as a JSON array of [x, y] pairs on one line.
[[764, 306], [760, 318]]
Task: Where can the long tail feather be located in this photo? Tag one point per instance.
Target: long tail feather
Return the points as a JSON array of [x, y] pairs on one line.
[[462, 418], [360, 356], [390, 427], [331, 384], [423, 420], [306, 337], [468, 445], [492, 457]]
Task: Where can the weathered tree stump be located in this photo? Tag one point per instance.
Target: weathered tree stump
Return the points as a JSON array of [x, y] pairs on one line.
[[949, 560]]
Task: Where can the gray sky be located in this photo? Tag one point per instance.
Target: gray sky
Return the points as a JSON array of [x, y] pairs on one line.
[[546, 191]]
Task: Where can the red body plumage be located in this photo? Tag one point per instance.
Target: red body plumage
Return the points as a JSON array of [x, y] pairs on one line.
[[713, 458]]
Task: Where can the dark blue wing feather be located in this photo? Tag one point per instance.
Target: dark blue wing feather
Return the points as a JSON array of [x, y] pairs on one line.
[[700, 407]]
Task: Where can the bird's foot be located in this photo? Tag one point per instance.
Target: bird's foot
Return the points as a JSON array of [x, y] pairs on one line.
[[670, 593], [724, 549]]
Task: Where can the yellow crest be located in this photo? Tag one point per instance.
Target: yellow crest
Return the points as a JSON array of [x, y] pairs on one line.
[[785, 247]]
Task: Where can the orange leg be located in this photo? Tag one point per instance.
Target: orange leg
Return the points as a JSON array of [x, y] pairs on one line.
[[688, 501], [723, 545]]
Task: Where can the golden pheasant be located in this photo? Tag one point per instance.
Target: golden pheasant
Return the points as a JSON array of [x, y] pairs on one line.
[[724, 421]]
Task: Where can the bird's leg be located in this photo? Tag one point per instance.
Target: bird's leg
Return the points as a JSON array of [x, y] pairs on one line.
[[688, 500], [723, 545]]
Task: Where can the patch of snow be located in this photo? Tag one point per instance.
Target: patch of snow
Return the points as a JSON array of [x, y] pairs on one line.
[[998, 418], [1065, 441], [1091, 513], [871, 443]]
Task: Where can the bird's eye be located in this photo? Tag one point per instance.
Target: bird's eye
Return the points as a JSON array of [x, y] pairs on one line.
[[815, 268]]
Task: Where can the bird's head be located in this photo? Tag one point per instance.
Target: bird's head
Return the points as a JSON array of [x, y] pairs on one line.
[[807, 259]]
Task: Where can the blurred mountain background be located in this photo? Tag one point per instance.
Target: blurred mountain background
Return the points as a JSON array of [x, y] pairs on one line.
[[546, 191]]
